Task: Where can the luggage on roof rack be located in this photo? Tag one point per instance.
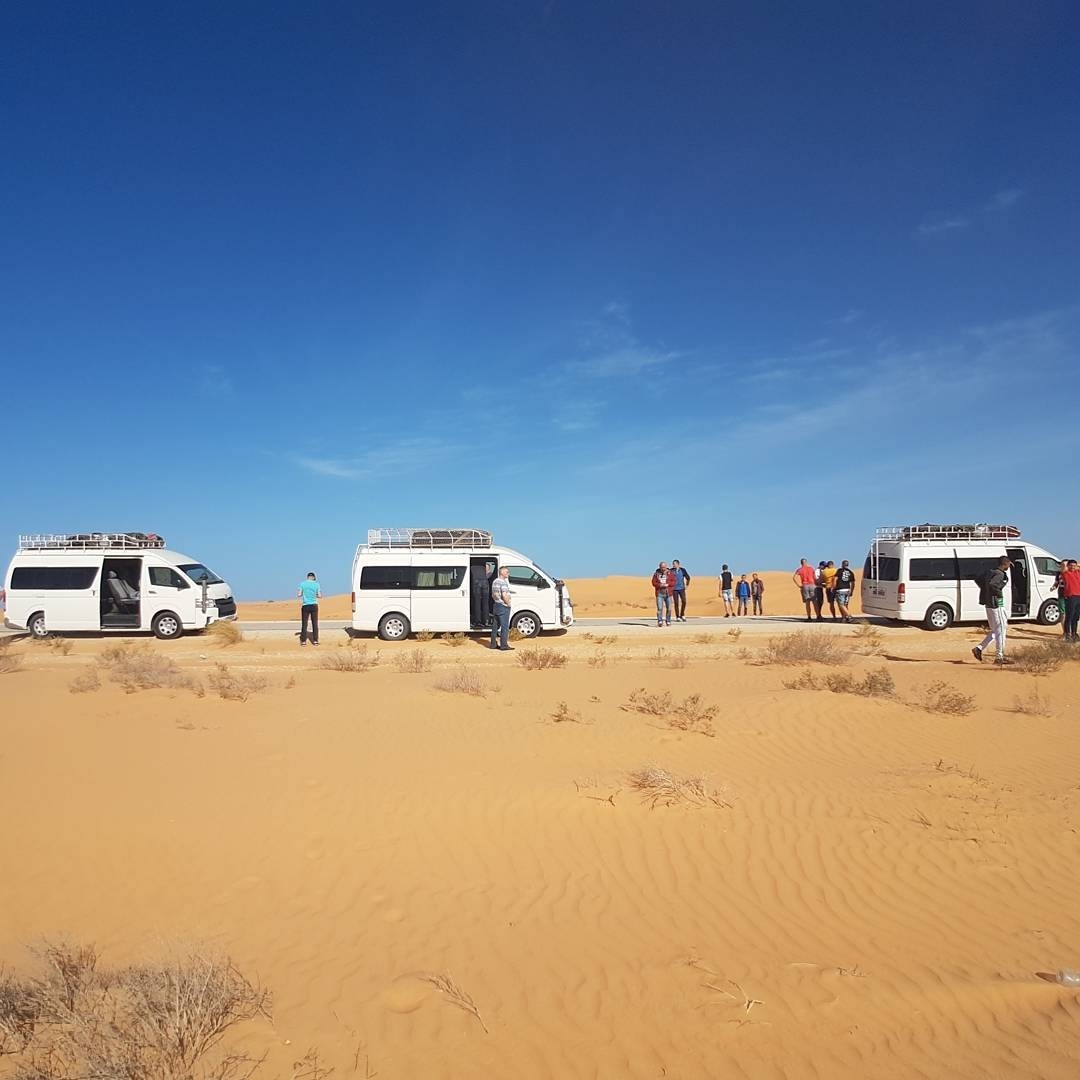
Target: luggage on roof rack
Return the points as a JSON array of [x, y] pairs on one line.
[[125, 541], [429, 539], [947, 532]]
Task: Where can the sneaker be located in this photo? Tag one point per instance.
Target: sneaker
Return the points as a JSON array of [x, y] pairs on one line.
[[506, 648], [977, 653], [314, 643], [808, 619], [1002, 660], [302, 644]]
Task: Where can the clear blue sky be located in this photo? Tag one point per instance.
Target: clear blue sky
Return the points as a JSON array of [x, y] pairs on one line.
[[620, 281]]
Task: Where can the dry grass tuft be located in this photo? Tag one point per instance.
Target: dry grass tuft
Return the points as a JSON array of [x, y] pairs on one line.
[[225, 632], [703, 639], [352, 657], [233, 686], [563, 714], [463, 680], [86, 681], [658, 787], [138, 667], [58, 644], [423, 635], [454, 994], [663, 658], [515, 635], [454, 640], [940, 697], [735, 633], [164, 1021], [598, 659], [805, 648], [538, 659], [873, 684], [688, 715], [868, 639], [413, 662], [9, 660], [1032, 705], [805, 680], [1040, 659]]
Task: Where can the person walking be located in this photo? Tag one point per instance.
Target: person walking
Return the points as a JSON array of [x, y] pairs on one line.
[[726, 578], [1070, 589], [309, 593], [500, 606], [742, 595], [991, 595], [806, 579], [845, 585], [682, 579], [663, 583], [757, 595]]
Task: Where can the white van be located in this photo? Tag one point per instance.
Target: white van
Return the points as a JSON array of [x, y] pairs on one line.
[[111, 581], [420, 579], [925, 573]]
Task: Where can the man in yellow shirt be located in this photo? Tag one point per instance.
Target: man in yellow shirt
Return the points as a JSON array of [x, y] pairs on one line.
[[828, 583]]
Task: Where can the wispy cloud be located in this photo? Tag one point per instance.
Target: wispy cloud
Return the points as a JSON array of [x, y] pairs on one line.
[[1002, 200], [214, 380], [579, 415], [928, 228], [608, 348], [999, 202], [391, 459]]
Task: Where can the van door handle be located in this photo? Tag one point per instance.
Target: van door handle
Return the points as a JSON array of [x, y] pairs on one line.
[[151, 592]]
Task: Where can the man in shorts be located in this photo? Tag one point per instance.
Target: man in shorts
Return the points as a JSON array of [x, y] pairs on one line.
[[828, 583], [806, 578], [845, 586], [727, 591]]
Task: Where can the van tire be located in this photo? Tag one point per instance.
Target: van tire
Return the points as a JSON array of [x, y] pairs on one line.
[[526, 624], [938, 617], [167, 626], [1049, 613], [36, 627], [394, 627]]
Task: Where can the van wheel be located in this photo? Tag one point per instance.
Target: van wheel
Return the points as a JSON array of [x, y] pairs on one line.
[[526, 624], [167, 626], [393, 627], [36, 625], [938, 617], [1050, 613]]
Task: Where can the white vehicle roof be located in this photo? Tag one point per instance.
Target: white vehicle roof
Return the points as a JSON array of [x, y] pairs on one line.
[[175, 558]]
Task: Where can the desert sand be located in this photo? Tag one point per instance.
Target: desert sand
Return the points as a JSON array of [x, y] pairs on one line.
[[860, 888]]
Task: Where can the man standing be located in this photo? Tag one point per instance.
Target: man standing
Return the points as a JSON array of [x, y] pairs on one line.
[[682, 579], [806, 579], [742, 595], [1070, 589], [828, 583], [992, 597], [819, 591], [500, 605], [663, 583], [845, 585], [726, 577], [757, 594], [310, 594], [479, 594]]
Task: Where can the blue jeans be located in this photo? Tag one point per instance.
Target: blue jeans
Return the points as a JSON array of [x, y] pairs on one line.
[[500, 628], [663, 603]]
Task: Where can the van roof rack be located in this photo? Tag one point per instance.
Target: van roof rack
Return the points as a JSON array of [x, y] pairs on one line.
[[428, 539], [126, 541], [927, 533]]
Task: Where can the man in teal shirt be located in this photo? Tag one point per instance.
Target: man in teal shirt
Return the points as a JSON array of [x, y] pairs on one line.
[[309, 594]]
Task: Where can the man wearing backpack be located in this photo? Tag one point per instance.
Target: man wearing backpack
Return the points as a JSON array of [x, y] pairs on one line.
[[992, 597]]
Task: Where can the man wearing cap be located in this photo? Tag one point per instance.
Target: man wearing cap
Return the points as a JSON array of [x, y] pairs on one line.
[[992, 596], [819, 589]]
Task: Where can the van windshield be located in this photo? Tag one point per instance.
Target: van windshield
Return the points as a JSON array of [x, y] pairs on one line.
[[197, 572]]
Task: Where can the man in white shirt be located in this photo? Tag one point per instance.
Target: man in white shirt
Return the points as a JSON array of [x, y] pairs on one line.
[[500, 604]]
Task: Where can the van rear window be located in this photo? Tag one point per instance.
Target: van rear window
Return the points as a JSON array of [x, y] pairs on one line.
[[386, 577], [888, 568], [38, 578]]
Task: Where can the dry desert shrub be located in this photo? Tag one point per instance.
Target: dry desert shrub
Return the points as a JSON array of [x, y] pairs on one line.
[[734, 633], [138, 667], [669, 660], [515, 634], [162, 1021], [58, 644], [940, 697], [453, 993], [603, 639], [537, 659], [9, 660], [225, 632], [413, 662], [645, 701], [691, 714], [868, 639], [454, 640], [805, 680], [563, 714], [873, 684], [233, 686], [86, 681], [1040, 659], [703, 639], [598, 659], [352, 657], [805, 648], [1032, 705], [463, 680], [423, 635], [658, 787]]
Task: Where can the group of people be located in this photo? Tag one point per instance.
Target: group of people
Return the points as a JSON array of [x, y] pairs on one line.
[[671, 582], [824, 584]]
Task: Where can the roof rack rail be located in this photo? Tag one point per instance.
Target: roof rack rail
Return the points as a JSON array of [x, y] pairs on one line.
[[429, 539], [928, 532], [125, 541]]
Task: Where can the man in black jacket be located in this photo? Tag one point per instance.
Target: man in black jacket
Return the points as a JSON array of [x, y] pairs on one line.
[[682, 579], [992, 597]]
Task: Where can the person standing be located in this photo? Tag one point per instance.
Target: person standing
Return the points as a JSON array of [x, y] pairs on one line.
[[309, 593], [845, 586], [682, 579], [992, 597], [726, 578], [757, 595], [663, 583], [828, 583], [819, 591], [742, 595], [806, 579], [1070, 589], [500, 606], [479, 594]]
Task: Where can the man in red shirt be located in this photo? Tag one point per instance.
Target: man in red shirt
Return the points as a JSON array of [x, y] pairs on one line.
[[1070, 589], [806, 578]]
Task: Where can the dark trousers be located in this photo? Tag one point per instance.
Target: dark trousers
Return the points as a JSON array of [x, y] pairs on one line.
[[478, 605], [1072, 615], [500, 629], [309, 611], [759, 608], [680, 603]]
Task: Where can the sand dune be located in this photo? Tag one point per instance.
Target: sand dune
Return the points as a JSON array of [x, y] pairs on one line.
[[873, 900]]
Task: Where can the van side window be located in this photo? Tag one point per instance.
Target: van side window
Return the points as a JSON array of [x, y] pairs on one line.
[[438, 577], [932, 569], [971, 568], [526, 575], [888, 567], [385, 577], [167, 578], [36, 578], [1047, 567]]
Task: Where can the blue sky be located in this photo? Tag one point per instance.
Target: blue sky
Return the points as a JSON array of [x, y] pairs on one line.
[[620, 281]]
